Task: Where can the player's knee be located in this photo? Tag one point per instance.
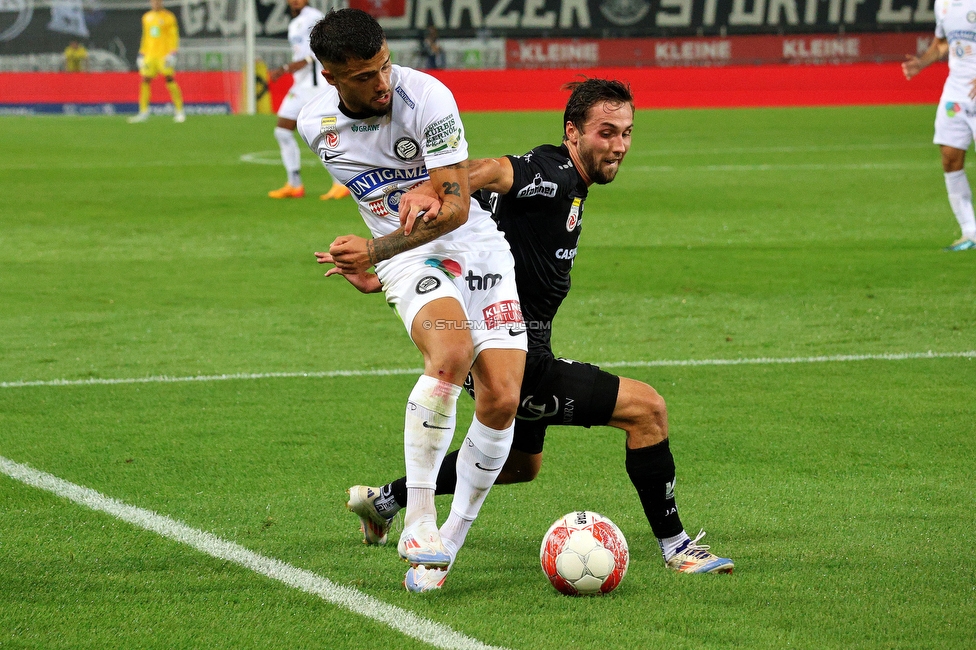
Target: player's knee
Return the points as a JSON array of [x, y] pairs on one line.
[[499, 398], [642, 413], [451, 362], [652, 405]]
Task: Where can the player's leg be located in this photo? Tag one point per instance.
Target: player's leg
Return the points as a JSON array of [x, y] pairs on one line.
[[145, 93], [499, 340], [642, 413], [497, 378], [960, 196], [430, 423], [176, 95], [291, 154], [377, 506], [954, 134]]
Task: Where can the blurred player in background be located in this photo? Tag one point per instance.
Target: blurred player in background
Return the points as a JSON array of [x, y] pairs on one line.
[[955, 118], [537, 200], [75, 57], [381, 129], [305, 85], [157, 56]]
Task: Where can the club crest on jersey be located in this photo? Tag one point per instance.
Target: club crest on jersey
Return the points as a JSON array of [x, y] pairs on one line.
[[406, 149], [538, 187], [427, 284], [574, 218], [330, 130]]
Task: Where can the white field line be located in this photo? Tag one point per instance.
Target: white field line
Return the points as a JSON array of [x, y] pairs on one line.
[[815, 148], [663, 363], [804, 167], [399, 619]]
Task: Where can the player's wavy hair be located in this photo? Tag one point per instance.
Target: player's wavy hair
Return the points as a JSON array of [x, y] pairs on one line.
[[590, 92], [346, 34]]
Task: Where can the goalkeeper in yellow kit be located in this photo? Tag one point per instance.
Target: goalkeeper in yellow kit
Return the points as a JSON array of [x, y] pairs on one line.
[[157, 56]]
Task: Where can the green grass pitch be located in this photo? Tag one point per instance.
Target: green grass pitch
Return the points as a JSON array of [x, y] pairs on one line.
[[843, 490]]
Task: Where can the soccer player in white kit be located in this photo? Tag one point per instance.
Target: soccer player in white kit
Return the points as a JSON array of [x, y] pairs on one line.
[[955, 119], [306, 84], [381, 129]]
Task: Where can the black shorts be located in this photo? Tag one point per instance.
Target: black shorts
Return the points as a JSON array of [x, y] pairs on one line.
[[560, 391]]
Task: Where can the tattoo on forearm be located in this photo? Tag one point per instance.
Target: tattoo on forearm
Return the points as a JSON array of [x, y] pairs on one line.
[[423, 231], [371, 250]]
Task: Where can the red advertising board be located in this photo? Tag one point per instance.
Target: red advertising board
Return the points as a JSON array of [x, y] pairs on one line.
[[731, 50], [380, 8], [704, 86]]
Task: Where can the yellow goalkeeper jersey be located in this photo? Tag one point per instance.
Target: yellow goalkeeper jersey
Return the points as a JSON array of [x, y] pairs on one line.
[[160, 34]]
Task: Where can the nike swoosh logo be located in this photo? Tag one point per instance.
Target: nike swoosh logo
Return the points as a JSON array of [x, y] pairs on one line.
[[326, 157], [515, 332], [487, 469], [431, 426]]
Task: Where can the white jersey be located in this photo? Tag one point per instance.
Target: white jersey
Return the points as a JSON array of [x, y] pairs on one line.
[[299, 31], [380, 158], [955, 21]]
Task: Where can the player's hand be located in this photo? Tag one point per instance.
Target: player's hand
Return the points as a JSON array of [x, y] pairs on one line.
[[170, 60], [911, 66], [350, 255], [972, 89], [420, 201], [141, 61], [364, 282]]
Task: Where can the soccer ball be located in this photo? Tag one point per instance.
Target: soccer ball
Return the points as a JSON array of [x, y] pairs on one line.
[[584, 553]]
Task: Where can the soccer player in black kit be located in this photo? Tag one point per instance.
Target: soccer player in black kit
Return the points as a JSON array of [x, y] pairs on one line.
[[537, 200]]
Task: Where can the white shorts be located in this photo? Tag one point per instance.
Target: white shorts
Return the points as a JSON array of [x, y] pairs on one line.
[[483, 282], [955, 123], [296, 98]]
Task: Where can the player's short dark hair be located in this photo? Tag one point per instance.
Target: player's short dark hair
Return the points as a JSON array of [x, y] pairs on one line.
[[346, 34], [590, 92]]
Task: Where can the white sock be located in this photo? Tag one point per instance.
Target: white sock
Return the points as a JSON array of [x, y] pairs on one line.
[[454, 532], [670, 545], [291, 155], [427, 433], [479, 461], [961, 200]]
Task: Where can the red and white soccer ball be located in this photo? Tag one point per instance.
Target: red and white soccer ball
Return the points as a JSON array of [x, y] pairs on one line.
[[584, 553]]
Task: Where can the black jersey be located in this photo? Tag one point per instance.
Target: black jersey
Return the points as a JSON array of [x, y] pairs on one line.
[[541, 217]]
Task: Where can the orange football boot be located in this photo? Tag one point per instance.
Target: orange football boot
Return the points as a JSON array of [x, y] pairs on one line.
[[288, 192], [338, 191]]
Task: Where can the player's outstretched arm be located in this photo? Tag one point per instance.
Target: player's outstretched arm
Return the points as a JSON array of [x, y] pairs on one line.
[[915, 64], [353, 254], [492, 174]]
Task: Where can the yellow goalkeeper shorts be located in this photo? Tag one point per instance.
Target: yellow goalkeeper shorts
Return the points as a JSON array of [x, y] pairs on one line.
[[152, 66]]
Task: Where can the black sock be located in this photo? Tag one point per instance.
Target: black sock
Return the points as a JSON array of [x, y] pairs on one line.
[[446, 481], [651, 470]]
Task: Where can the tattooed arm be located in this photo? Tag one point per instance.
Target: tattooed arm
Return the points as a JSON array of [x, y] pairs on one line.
[[492, 174], [353, 254]]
